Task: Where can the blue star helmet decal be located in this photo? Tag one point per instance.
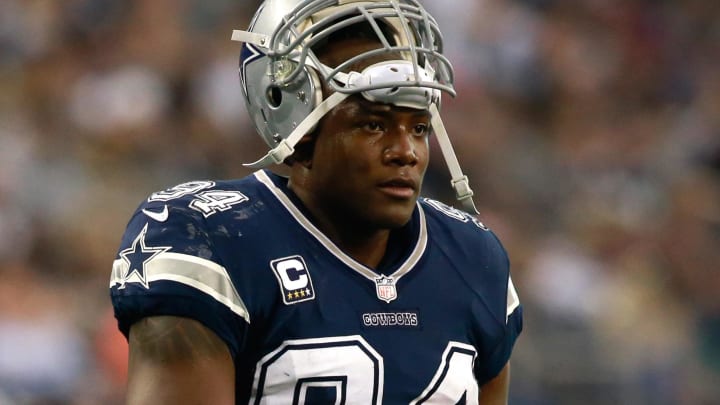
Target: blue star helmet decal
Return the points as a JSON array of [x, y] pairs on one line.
[[249, 54]]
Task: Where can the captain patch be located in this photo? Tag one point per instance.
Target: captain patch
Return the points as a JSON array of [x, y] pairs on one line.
[[294, 279]]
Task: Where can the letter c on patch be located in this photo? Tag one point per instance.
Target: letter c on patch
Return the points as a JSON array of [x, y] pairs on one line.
[[293, 274]]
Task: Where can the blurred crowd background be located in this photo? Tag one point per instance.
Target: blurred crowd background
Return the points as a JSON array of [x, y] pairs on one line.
[[590, 130]]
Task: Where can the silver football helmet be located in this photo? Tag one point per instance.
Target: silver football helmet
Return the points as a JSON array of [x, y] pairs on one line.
[[282, 78]]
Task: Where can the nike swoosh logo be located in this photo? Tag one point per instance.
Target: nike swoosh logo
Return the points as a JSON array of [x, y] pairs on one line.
[[161, 216]]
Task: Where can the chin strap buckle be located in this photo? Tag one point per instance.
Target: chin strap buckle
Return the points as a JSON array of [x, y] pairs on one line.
[[463, 193], [276, 156]]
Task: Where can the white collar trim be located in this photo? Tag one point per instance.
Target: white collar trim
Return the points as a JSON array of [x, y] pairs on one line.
[[368, 273]]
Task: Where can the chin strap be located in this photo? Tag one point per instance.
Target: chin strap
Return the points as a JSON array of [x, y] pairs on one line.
[[459, 181], [286, 147]]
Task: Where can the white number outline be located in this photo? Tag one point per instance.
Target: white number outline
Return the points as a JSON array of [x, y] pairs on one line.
[[180, 190], [305, 347], [454, 360], [456, 364], [213, 201], [455, 213]]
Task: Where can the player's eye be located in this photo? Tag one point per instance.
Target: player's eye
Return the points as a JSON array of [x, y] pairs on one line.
[[421, 129], [374, 126]]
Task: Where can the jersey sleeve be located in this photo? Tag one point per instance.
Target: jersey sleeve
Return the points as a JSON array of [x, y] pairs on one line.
[[167, 265], [504, 303], [496, 358]]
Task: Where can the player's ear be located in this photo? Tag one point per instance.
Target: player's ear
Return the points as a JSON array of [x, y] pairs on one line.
[[303, 152]]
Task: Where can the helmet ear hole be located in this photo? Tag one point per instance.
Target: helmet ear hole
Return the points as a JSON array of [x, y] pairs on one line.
[[274, 96]]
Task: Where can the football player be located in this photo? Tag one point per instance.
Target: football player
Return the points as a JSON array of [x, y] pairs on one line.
[[338, 284]]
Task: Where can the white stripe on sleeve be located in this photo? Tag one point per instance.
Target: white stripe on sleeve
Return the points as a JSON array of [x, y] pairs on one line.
[[201, 274], [513, 301]]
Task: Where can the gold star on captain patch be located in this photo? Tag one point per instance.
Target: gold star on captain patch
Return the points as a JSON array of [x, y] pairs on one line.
[[297, 294], [302, 293], [289, 296]]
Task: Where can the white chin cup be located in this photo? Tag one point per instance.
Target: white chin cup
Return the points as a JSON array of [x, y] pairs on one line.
[[397, 82]]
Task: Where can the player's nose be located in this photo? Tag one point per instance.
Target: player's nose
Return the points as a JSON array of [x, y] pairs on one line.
[[401, 148]]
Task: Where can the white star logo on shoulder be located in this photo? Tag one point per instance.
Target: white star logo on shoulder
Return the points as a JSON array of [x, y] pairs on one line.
[[161, 216], [137, 256]]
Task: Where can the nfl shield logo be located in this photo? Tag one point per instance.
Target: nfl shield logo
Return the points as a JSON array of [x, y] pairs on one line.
[[385, 288]]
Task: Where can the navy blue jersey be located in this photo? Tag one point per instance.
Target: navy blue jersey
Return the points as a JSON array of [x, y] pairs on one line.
[[304, 322]]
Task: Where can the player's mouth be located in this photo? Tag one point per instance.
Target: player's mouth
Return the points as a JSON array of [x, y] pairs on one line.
[[399, 187]]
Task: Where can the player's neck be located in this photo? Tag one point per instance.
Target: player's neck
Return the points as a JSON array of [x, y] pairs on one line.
[[365, 243], [366, 247]]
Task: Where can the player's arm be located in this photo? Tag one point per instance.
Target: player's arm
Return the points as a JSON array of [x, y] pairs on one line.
[[177, 360], [495, 391]]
